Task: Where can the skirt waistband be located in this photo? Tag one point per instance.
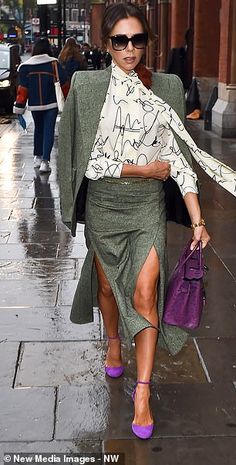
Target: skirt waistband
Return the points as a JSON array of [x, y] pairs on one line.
[[124, 187], [127, 181]]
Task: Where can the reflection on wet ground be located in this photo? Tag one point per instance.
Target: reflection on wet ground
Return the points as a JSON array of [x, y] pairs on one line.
[[53, 393]]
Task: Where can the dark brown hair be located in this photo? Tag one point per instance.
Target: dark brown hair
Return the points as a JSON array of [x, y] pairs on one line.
[[113, 13], [41, 47], [70, 50], [117, 11]]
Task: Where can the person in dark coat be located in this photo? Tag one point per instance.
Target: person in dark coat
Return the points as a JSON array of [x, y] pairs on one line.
[[36, 85], [88, 54], [71, 58], [96, 57]]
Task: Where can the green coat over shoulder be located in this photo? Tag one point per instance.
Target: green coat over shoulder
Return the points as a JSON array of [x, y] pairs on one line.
[[77, 131]]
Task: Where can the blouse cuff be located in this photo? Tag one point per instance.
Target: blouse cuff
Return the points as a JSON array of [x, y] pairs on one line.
[[113, 170], [186, 180], [187, 189]]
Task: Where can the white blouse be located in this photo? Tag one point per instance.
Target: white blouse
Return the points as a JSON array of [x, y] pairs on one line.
[[132, 131]]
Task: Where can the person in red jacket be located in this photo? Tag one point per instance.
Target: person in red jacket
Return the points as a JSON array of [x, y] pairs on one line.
[[36, 84]]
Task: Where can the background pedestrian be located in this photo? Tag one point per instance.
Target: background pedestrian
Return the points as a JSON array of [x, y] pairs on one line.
[[36, 85], [71, 58]]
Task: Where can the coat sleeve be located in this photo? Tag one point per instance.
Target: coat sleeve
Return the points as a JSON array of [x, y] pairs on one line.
[[22, 90], [65, 158]]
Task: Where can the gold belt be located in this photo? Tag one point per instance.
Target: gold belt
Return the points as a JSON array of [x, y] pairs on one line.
[[127, 181]]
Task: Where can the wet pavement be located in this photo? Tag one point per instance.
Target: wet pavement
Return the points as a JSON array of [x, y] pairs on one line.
[[54, 396]]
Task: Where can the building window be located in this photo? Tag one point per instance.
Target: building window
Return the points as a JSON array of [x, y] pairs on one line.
[[67, 14], [82, 14], [74, 15]]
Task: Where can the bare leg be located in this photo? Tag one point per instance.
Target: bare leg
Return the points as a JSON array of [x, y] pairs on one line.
[[110, 314], [145, 302]]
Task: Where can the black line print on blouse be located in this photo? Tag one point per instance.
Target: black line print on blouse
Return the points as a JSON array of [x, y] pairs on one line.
[[98, 169], [214, 166], [148, 108], [99, 144], [145, 104], [126, 82], [111, 170], [122, 128], [121, 100], [127, 126], [142, 159], [172, 121]]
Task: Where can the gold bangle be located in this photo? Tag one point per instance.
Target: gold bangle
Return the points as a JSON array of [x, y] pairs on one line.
[[201, 223]]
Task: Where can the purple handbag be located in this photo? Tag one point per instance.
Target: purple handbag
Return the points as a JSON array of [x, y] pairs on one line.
[[185, 293]]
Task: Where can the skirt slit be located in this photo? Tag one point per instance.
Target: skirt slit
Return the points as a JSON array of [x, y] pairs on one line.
[[124, 220]]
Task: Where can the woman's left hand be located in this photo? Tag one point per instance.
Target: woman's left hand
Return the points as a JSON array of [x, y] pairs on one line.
[[200, 234]]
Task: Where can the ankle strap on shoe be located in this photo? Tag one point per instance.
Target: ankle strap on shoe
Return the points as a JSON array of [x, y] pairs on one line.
[[113, 337], [135, 387], [143, 382]]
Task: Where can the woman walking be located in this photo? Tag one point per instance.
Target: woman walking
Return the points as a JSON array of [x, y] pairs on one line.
[[116, 132], [71, 58], [36, 84]]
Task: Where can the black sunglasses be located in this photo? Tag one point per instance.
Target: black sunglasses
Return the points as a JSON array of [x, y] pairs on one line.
[[120, 41]]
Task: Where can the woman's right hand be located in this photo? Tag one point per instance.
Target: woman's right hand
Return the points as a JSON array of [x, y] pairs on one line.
[[158, 170]]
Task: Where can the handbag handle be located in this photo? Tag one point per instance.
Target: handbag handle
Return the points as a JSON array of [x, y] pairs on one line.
[[190, 254]]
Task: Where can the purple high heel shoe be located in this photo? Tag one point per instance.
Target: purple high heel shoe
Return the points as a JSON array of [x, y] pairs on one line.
[[114, 372], [142, 432]]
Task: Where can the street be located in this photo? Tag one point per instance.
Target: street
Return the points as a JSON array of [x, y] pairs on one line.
[[54, 396]]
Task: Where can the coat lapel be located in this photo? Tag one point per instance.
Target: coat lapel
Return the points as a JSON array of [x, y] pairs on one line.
[[91, 97]]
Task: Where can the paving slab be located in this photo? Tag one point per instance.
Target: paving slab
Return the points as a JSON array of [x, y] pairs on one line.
[[177, 451], [184, 367], [41, 237], [78, 446], [27, 414], [220, 357], [219, 316], [35, 214], [53, 447], [5, 193], [12, 202], [8, 226], [181, 410], [8, 359], [73, 251], [58, 363], [29, 193], [5, 214], [28, 293], [23, 184], [195, 410], [83, 411], [45, 324], [67, 291], [50, 269], [4, 237], [47, 203], [32, 225], [22, 251]]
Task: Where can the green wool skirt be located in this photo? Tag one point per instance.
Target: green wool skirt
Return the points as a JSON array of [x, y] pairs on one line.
[[125, 218]]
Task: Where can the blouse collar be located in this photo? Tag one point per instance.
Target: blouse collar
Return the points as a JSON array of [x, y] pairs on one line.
[[119, 74]]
